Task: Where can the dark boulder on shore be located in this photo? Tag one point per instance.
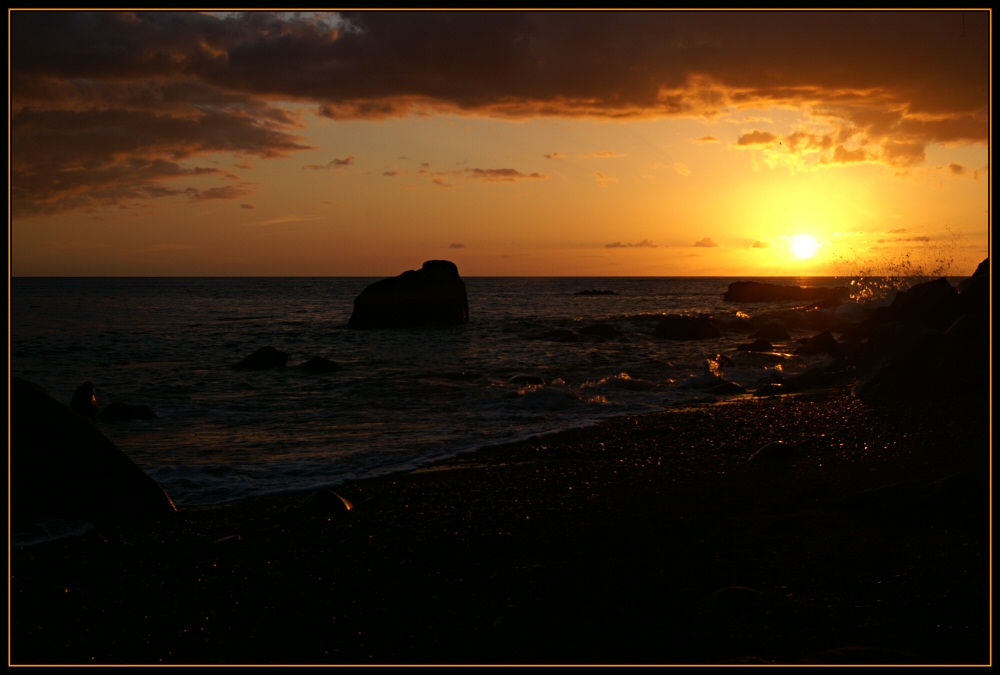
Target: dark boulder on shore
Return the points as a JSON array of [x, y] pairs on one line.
[[757, 291], [930, 345], [434, 295], [62, 466]]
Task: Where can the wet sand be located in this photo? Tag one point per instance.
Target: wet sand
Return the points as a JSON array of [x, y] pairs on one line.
[[644, 540]]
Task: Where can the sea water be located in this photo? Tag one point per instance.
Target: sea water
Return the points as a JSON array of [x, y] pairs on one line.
[[403, 398]]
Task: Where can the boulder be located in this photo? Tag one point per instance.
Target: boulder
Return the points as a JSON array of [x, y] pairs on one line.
[[434, 295], [681, 327], [264, 359], [62, 466], [758, 291]]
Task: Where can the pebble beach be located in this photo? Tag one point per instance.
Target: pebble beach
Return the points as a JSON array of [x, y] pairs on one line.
[[667, 538]]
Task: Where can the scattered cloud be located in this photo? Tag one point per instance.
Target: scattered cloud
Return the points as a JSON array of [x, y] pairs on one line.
[[501, 175], [332, 164], [707, 139], [604, 181], [554, 155], [602, 154], [682, 169], [456, 245], [705, 243], [645, 243], [246, 206], [757, 244], [956, 169]]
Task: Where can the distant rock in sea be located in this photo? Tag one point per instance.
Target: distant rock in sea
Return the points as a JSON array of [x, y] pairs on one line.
[[434, 295], [757, 291]]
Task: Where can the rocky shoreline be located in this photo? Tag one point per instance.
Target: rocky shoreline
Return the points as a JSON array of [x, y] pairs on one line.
[[644, 540]]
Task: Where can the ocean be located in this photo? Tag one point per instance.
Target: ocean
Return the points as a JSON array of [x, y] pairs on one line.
[[404, 397]]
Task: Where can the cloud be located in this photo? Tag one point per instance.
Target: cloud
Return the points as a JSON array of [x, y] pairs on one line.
[[554, 155], [756, 137], [756, 244], [456, 245], [94, 94], [246, 206], [707, 139], [705, 243], [645, 243], [332, 164], [682, 169], [956, 169], [602, 154], [501, 175]]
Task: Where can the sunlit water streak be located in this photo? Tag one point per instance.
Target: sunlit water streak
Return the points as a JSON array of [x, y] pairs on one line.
[[404, 398]]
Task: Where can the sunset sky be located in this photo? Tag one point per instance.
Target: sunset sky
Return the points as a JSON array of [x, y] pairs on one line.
[[512, 143]]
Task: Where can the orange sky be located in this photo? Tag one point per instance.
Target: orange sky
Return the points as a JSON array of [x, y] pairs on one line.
[[513, 143]]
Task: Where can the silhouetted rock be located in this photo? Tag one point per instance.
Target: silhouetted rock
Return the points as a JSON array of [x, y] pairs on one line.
[[680, 327], [757, 291], [974, 292], [84, 401], [434, 295], [932, 304], [264, 359], [62, 466], [821, 343], [117, 411], [321, 366]]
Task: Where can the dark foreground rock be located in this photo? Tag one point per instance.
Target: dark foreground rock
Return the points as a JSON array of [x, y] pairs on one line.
[[62, 466], [434, 295]]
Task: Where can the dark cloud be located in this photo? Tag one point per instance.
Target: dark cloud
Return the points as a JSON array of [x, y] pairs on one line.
[[758, 244], [705, 243], [102, 91], [456, 245], [645, 243]]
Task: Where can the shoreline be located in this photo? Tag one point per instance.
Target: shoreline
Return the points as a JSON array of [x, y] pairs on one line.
[[646, 539]]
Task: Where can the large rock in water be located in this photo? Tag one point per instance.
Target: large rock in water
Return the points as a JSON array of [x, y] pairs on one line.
[[62, 466], [434, 295], [758, 291]]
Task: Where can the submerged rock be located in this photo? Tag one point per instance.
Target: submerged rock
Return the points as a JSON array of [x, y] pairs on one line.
[[680, 327], [264, 359]]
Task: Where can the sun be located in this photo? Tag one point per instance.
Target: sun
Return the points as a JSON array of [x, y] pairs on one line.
[[803, 246]]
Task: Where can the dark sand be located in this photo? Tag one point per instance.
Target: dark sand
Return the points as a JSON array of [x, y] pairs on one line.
[[647, 540]]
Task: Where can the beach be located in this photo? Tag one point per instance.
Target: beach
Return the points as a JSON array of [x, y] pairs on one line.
[[658, 539]]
